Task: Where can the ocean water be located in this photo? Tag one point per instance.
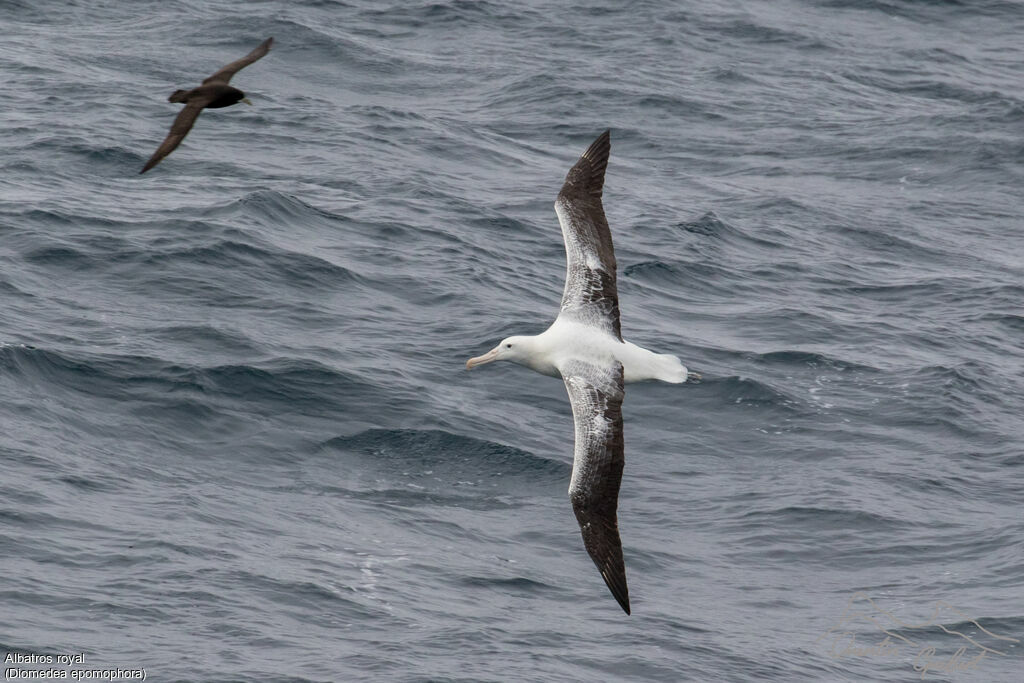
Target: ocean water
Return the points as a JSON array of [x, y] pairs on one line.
[[237, 438]]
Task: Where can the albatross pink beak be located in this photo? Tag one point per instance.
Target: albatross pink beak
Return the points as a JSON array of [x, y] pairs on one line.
[[480, 360]]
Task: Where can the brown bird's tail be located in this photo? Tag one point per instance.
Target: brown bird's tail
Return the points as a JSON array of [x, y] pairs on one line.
[[178, 96]]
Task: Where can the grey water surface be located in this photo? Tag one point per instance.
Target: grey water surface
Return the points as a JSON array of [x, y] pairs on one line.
[[237, 438]]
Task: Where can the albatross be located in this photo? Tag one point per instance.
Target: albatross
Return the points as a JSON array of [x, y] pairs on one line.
[[584, 346], [214, 93]]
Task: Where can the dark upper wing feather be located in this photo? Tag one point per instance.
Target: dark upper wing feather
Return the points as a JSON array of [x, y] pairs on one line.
[[596, 396], [590, 295], [179, 129], [224, 74]]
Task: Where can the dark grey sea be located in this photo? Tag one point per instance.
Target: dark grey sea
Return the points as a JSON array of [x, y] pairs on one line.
[[237, 438]]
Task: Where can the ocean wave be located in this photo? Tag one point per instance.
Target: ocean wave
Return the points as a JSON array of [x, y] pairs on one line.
[[233, 404], [277, 385], [751, 392], [810, 359], [819, 519], [446, 452]]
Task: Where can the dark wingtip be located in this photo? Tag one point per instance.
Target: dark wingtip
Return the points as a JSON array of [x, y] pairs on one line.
[[618, 588], [597, 154], [601, 539], [623, 601], [600, 148], [586, 179]]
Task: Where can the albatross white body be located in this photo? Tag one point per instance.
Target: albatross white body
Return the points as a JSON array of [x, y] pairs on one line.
[[584, 347], [567, 339]]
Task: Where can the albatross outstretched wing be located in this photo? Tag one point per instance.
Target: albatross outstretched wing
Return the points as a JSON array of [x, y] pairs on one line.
[[596, 395], [179, 129], [225, 74], [590, 294]]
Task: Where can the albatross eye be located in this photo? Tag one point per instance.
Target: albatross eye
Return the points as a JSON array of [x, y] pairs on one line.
[[508, 346]]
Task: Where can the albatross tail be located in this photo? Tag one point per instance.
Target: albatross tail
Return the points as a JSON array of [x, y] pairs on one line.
[[670, 369]]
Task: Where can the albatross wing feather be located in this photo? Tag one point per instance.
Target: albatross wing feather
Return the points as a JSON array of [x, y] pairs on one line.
[[596, 395], [590, 295]]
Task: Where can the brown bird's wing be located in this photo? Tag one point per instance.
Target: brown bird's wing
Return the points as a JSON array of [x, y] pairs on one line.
[[596, 395], [179, 129], [590, 295], [225, 74]]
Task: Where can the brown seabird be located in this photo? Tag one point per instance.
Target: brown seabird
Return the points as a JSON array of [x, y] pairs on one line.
[[214, 93]]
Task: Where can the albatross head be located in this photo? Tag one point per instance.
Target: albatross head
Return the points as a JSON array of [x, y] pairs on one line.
[[515, 349]]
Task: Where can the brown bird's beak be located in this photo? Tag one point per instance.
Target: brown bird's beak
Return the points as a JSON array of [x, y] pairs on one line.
[[247, 101], [481, 360]]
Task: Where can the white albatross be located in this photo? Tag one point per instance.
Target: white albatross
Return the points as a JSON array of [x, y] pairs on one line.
[[584, 347]]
